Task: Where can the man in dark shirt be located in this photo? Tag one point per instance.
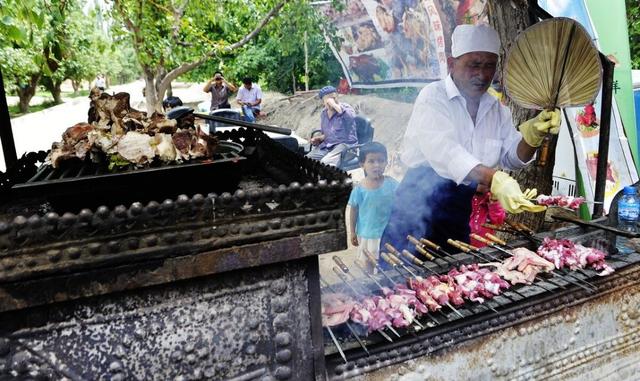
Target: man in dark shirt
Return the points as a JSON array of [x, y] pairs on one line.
[[338, 130], [220, 90]]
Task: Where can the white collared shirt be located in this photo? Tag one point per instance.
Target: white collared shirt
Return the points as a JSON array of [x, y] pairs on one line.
[[441, 133], [251, 95]]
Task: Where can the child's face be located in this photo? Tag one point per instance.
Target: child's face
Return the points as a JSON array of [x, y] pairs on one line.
[[374, 164]]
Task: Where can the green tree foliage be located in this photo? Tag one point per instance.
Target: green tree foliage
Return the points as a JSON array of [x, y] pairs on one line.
[[277, 58], [47, 41], [633, 21], [173, 37], [21, 41]]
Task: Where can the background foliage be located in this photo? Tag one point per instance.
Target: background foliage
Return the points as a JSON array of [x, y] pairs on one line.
[[633, 22]]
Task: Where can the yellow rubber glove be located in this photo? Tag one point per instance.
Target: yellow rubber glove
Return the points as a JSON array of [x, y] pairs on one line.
[[506, 190], [534, 129]]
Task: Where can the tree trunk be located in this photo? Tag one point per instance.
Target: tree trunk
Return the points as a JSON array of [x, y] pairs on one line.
[[56, 92], [509, 19], [54, 88], [76, 86], [26, 92], [151, 96]]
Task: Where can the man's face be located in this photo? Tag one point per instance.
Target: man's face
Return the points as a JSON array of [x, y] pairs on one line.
[[247, 86], [473, 72], [326, 98]]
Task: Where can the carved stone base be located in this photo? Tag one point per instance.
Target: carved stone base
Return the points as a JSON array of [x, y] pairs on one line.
[[243, 325]]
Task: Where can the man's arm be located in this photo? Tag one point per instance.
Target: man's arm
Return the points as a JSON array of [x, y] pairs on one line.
[[230, 86], [207, 86], [258, 97], [240, 97], [331, 102], [525, 151], [482, 175]]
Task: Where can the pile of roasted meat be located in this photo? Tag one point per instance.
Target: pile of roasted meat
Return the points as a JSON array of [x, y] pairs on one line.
[[121, 136], [399, 307]]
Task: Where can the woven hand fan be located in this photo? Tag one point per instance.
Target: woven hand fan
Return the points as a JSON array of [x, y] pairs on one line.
[[553, 64]]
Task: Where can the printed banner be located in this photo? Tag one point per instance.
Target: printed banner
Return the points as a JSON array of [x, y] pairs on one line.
[[387, 43]]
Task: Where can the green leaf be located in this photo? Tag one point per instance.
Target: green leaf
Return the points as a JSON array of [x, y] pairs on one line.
[[16, 34]]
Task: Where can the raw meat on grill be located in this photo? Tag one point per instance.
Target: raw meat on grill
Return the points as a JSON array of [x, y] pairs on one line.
[[561, 200], [397, 308], [478, 284], [565, 253], [335, 308], [522, 267], [442, 289], [371, 314]]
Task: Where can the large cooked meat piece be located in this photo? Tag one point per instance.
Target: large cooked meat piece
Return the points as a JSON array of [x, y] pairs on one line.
[[183, 140], [158, 123], [75, 144], [136, 148], [76, 133], [59, 154], [164, 148], [205, 145], [110, 109]]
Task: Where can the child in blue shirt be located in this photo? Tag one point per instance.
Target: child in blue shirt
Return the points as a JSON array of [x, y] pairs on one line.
[[371, 201]]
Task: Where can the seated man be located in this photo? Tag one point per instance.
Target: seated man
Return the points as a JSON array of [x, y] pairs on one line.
[[249, 98], [338, 130]]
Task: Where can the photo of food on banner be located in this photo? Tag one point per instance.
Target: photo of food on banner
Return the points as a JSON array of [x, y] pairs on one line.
[[387, 41]]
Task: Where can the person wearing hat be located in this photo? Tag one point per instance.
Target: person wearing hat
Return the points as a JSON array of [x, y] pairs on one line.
[[337, 128], [220, 90], [457, 138]]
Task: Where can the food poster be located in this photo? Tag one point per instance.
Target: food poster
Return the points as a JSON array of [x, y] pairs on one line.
[[387, 43], [585, 129], [585, 126]]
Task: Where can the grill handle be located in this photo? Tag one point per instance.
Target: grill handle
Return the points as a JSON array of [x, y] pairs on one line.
[[257, 126], [597, 226]]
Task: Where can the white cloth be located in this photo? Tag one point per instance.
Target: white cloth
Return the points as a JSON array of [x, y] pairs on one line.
[[441, 133], [372, 245], [474, 38], [251, 95], [100, 83]]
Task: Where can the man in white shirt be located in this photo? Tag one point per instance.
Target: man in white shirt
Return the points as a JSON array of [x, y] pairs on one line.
[[249, 98], [456, 137], [100, 82]]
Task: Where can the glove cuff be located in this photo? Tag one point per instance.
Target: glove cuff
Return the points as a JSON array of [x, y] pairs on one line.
[[530, 133]]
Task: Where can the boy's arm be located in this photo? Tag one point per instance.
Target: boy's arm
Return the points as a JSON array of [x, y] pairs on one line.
[[353, 218]]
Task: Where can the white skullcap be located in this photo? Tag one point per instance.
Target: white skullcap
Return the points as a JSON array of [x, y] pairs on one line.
[[474, 38]]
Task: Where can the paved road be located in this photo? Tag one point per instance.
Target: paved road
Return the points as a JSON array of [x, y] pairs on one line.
[[37, 131]]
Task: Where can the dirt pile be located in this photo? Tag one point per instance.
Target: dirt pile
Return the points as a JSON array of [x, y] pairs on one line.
[[302, 114]]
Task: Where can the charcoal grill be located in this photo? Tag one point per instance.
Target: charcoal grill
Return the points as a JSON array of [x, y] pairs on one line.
[[424, 353], [204, 286], [64, 185]]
